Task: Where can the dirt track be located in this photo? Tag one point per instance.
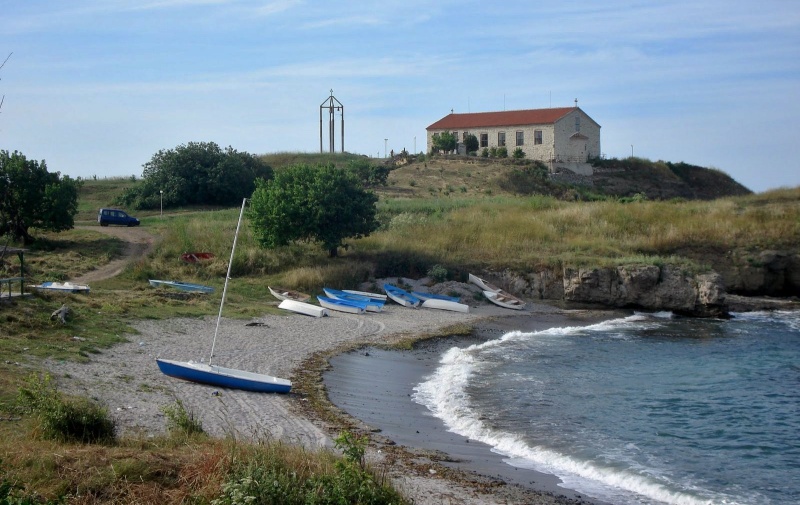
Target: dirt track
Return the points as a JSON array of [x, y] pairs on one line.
[[138, 240]]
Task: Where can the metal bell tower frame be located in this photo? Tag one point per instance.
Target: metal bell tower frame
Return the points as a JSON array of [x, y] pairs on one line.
[[333, 105]]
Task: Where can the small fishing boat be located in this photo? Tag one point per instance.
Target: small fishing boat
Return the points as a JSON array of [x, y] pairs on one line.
[[436, 303], [197, 257], [216, 375], [288, 294], [373, 304], [183, 286], [376, 296], [433, 296], [349, 306], [66, 287], [504, 299], [303, 308], [401, 296], [483, 283]]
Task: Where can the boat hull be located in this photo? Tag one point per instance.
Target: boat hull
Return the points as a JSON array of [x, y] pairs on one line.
[[435, 303], [183, 286], [303, 308], [432, 296], [376, 296], [349, 306], [401, 296], [213, 375], [197, 257], [288, 294], [66, 287], [483, 284], [505, 300], [373, 304]]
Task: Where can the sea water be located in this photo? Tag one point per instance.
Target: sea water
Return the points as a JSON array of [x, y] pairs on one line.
[[645, 409]]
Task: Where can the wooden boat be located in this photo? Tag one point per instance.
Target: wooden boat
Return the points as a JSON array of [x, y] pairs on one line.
[[504, 299], [401, 296], [215, 375], [183, 286], [349, 306], [433, 296], [66, 287], [376, 296], [197, 257], [436, 303], [303, 308], [483, 283], [288, 294], [373, 304]]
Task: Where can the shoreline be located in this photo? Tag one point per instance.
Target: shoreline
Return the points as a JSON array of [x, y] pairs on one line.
[[374, 385], [126, 380]]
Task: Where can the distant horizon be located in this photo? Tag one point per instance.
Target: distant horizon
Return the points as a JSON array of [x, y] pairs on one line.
[[97, 88]]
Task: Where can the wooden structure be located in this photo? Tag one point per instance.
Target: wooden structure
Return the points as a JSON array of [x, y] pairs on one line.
[[7, 282]]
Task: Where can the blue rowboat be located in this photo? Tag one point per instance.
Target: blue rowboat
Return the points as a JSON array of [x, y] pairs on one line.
[[183, 286], [401, 296], [350, 306], [373, 305], [432, 296], [223, 377]]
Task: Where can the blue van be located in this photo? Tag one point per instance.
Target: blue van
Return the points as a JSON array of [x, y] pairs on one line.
[[115, 216]]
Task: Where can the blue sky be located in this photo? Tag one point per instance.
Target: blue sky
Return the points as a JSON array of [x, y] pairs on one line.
[[96, 87]]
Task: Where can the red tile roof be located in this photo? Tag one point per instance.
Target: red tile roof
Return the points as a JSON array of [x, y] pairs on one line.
[[504, 118]]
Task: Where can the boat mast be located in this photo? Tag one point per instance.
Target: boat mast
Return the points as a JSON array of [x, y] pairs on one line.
[[227, 278]]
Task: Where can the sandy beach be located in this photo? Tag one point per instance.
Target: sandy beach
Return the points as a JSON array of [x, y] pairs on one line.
[[127, 381]]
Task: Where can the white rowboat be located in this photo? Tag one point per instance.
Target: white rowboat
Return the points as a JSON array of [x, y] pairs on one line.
[[504, 299], [436, 303], [288, 294], [303, 308]]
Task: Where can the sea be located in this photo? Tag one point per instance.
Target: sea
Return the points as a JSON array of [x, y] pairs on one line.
[[645, 409]]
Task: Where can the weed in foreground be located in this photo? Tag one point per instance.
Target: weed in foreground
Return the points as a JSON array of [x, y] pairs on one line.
[[64, 419]]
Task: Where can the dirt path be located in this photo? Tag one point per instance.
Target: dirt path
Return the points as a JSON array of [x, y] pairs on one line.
[[139, 242]]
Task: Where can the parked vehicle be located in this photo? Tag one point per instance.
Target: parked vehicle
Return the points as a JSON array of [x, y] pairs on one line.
[[115, 216]]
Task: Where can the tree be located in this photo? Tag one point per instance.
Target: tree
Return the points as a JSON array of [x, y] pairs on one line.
[[471, 143], [198, 173], [445, 141], [31, 197], [370, 175], [316, 204]]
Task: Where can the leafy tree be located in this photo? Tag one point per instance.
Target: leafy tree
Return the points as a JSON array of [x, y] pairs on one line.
[[471, 143], [31, 197], [316, 204], [198, 173], [370, 175], [445, 141]]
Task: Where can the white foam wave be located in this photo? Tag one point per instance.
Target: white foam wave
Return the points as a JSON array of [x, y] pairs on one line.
[[444, 394]]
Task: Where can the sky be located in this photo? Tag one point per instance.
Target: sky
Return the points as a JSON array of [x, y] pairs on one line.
[[97, 87]]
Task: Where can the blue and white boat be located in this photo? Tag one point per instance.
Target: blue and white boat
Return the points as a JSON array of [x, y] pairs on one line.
[[67, 287], [401, 296], [223, 377], [433, 296], [215, 375], [183, 286], [349, 306], [373, 305]]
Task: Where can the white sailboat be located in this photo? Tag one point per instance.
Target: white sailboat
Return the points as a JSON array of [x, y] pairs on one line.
[[216, 375]]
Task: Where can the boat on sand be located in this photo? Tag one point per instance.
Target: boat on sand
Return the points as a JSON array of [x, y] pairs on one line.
[[288, 294], [303, 308], [401, 296]]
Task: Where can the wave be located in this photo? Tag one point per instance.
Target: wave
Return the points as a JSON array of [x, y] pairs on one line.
[[444, 393]]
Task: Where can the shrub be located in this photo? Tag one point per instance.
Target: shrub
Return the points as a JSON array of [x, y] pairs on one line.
[[502, 152], [179, 420], [65, 419], [518, 153], [485, 153], [438, 273]]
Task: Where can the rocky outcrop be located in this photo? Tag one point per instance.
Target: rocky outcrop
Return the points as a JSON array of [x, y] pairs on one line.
[[647, 287], [762, 273]]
